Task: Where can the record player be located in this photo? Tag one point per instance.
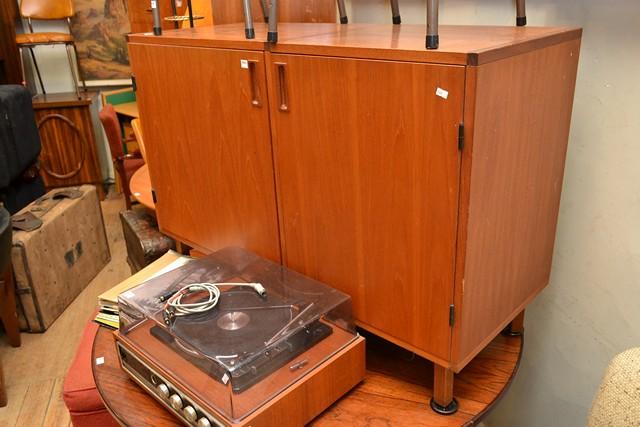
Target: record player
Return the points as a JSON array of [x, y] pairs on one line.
[[235, 339]]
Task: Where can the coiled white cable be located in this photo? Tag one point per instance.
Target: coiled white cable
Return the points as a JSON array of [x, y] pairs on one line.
[[176, 307]]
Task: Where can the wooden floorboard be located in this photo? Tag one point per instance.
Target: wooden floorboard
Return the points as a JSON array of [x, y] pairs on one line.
[[35, 405], [16, 394], [57, 414], [35, 371]]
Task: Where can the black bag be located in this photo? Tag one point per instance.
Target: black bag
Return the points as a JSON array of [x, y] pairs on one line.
[[19, 148]]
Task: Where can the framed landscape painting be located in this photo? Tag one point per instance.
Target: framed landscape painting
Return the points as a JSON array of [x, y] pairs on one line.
[[99, 27]]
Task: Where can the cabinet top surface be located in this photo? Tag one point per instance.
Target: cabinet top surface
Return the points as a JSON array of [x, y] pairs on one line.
[[459, 45], [64, 99]]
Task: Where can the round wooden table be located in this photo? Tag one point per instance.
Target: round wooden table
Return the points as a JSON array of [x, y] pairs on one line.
[[140, 186], [396, 390]]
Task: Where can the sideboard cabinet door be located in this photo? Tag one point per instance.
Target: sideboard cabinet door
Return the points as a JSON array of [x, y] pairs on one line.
[[205, 119], [367, 171]]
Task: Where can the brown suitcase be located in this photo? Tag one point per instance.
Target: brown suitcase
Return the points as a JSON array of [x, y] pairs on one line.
[[55, 262]]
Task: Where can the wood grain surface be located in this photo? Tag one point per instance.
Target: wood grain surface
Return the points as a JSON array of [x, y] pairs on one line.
[[519, 141], [207, 138], [334, 366], [141, 20], [374, 195], [213, 394], [10, 72], [367, 178], [459, 45], [140, 186], [68, 143], [229, 12], [396, 390]]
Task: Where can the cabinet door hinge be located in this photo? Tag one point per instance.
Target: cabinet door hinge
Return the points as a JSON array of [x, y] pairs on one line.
[[452, 315], [153, 196], [133, 83], [461, 136]]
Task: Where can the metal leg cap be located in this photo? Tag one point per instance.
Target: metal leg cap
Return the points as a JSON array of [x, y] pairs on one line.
[[432, 42], [507, 332], [451, 408], [272, 37]]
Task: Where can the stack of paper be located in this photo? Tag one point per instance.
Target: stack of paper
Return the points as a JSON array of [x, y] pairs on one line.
[[108, 301]]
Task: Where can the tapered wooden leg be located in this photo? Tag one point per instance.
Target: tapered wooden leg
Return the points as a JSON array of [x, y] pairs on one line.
[[3, 390], [8, 309], [516, 327], [183, 248], [443, 401]]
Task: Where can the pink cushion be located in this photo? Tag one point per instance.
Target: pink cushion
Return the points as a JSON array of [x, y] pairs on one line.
[[79, 389]]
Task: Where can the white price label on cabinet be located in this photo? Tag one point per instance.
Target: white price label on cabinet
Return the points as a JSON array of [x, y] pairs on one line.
[[153, 4], [244, 63], [444, 94]]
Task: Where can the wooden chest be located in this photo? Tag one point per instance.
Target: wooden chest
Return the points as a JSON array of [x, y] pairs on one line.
[[68, 140], [425, 184]]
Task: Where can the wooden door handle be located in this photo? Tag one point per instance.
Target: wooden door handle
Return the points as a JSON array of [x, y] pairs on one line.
[[256, 99], [281, 75]]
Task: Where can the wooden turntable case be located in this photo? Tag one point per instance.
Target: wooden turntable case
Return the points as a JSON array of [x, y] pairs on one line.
[[425, 184], [296, 405]]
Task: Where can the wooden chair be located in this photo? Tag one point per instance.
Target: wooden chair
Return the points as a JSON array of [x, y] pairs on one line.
[[48, 10], [7, 293], [124, 164]]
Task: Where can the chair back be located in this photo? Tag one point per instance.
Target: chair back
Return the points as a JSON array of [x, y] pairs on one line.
[[46, 9], [111, 126], [137, 131]]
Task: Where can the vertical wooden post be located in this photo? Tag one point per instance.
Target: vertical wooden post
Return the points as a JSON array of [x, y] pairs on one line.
[[3, 389], [443, 401], [8, 309], [182, 248], [516, 327], [517, 324]]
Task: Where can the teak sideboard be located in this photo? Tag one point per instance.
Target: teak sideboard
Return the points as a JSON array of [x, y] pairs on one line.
[[425, 184]]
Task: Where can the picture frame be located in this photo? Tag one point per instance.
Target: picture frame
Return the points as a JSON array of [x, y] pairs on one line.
[[99, 28]]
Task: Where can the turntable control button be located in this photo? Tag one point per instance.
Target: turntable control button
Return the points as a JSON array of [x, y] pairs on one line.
[[190, 413], [163, 390], [176, 402], [203, 422]]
